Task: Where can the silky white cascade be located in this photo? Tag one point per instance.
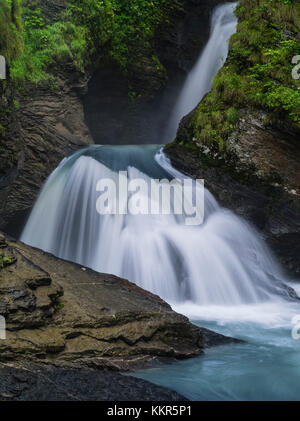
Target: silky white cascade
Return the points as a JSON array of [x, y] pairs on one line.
[[221, 262], [199, 80]]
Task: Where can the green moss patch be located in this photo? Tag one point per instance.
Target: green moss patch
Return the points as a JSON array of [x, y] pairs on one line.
[[11, 41]]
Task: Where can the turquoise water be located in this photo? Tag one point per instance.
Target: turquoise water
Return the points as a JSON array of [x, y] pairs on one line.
[[266, 367]]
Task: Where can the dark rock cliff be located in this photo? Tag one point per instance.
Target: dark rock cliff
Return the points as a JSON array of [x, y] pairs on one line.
[[50, 125], [11, 145]]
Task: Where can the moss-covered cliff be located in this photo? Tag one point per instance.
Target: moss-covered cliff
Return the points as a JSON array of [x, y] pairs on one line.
[[11, 29], [11, 46], [257, 76]]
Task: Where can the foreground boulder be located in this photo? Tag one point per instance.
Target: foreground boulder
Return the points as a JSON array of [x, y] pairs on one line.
[[59, 312]]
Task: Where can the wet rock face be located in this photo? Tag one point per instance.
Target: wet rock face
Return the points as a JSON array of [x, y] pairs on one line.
[[273, 157], [11, 147], [58, 312], [271, 154], [179, 47], [50, 126]]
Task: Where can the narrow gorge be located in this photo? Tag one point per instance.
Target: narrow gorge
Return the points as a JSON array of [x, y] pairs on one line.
[[188, 97]]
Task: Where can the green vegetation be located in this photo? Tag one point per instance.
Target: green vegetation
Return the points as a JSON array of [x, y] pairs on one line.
[[58, 306], [256, 75], [11, 42], [47, 45], [5, 261], [85, 32], [135, 24]]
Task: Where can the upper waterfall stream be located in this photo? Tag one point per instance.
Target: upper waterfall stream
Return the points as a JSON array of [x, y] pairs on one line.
[[198, 83]]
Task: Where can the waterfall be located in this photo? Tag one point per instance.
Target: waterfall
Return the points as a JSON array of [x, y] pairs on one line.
[[220, 262], [199, 80]]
